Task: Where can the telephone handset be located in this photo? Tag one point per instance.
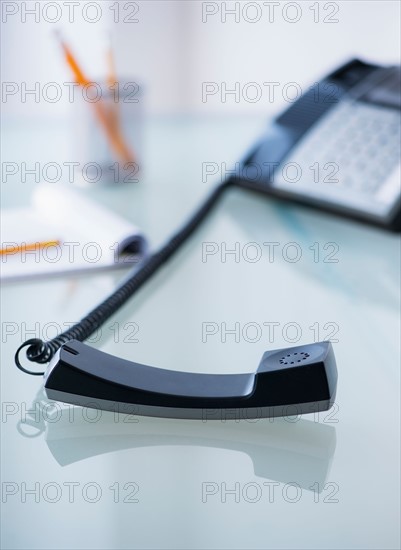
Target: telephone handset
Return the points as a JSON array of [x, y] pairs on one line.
[[338, 147], [292, 381]]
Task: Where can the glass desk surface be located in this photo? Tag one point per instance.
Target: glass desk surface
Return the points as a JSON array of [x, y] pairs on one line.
[[78, 478]]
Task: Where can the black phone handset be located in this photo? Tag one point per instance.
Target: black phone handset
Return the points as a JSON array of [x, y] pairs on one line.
[[287, 382], [295, 380]]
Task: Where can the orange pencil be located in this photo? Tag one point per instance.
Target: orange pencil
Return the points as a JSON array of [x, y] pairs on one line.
[[115, 138], [26, 247]]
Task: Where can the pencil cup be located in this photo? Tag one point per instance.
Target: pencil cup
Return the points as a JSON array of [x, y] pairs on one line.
[[107, 133]]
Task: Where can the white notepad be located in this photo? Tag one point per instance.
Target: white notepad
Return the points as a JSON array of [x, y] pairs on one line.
[[90, 236]]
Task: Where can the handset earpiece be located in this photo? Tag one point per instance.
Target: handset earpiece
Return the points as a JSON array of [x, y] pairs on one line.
[[297, 380]]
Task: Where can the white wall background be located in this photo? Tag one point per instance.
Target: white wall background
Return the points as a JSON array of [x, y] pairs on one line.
[[174, 47]]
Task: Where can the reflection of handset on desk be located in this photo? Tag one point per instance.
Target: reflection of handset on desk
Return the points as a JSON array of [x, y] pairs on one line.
[[281, 450]]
